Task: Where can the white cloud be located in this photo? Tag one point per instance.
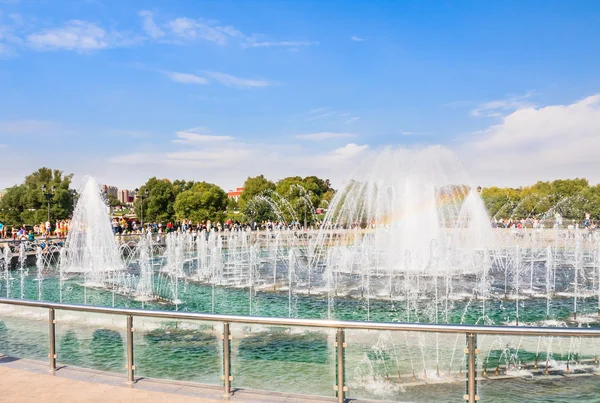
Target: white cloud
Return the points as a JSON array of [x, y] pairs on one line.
[[415, 133], [197, 154], [185, 78], [183, 29], [81, 36], [190, 29], [357, 39], [322, 113], [222, 78], [324, 136], [150, 26], [319, 116], [501, 107], [350, 150], [199, 135], [531, 144], [237, 82]]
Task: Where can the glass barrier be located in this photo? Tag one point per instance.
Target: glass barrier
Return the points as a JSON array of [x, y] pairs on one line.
[[91, 340], [377, 365], [283, 359], [405, 366], [24, 332], [178, 350], [537, 369]]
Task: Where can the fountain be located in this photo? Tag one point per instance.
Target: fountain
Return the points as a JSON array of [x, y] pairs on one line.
[[407, 238], [427, 209], [91, 248]]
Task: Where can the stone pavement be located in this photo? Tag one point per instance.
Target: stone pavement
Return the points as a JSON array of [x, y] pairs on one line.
[[25, 381]]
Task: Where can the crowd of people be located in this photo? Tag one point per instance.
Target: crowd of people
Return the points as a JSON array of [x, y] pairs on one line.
[[554, 222], [59, 229], [121, 226]]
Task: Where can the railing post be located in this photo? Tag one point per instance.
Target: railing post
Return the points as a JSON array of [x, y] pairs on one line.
[[472, 351], [341, 345], [52, 338], [227, 378], [130, 366]]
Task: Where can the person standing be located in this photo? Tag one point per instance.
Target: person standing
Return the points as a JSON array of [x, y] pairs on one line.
[[586, 223]]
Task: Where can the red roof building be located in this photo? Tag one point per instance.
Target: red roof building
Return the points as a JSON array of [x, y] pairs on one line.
[[235, 194]]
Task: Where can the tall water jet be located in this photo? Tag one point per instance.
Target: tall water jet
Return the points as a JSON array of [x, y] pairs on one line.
[[6, 257], [145, 286], [405, 201], [91, 248]]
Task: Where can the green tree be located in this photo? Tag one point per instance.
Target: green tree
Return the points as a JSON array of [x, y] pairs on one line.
[[303, 196], [159, 205], [500, 202], [180, 185], [204, 201], [326, 199], [254, 186], [113, 201], [317, 185], [569, 197], [232, 204], [27, 204], [592, 201], [254, 209]]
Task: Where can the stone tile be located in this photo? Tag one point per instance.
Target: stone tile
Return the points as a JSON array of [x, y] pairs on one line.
[[17, 385], [109, 379], [70, 373], [157, 386], [309, 399], [198, 392], [251, 396]]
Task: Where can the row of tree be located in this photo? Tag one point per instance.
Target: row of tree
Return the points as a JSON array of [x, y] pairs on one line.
[[261, 199], [28, 202], [292, 198], [288, 199], [571, 198]]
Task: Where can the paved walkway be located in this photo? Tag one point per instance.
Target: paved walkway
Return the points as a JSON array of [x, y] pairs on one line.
[[27, 381], [23, 386]]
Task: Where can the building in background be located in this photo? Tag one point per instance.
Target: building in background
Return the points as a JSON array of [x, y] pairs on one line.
[[110, 190], [123, 196], [235, 194]]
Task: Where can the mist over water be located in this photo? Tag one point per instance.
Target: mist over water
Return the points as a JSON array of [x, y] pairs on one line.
[[420, 211], [406, 239], [91, 248]]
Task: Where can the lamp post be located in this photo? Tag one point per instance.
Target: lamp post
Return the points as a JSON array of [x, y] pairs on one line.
[[48, 193], [74, 197], [146, 193]]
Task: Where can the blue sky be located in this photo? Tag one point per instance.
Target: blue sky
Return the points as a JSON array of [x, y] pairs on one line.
[[219, 90]]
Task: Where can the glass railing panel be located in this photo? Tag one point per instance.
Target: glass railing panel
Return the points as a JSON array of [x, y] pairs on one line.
[[405, 366], [24, 332], [91, 340], [178, 350], [283, 359], [537, 369]]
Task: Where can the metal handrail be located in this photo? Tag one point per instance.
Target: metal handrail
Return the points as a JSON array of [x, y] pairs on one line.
[[320, 323], [470, 331]]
